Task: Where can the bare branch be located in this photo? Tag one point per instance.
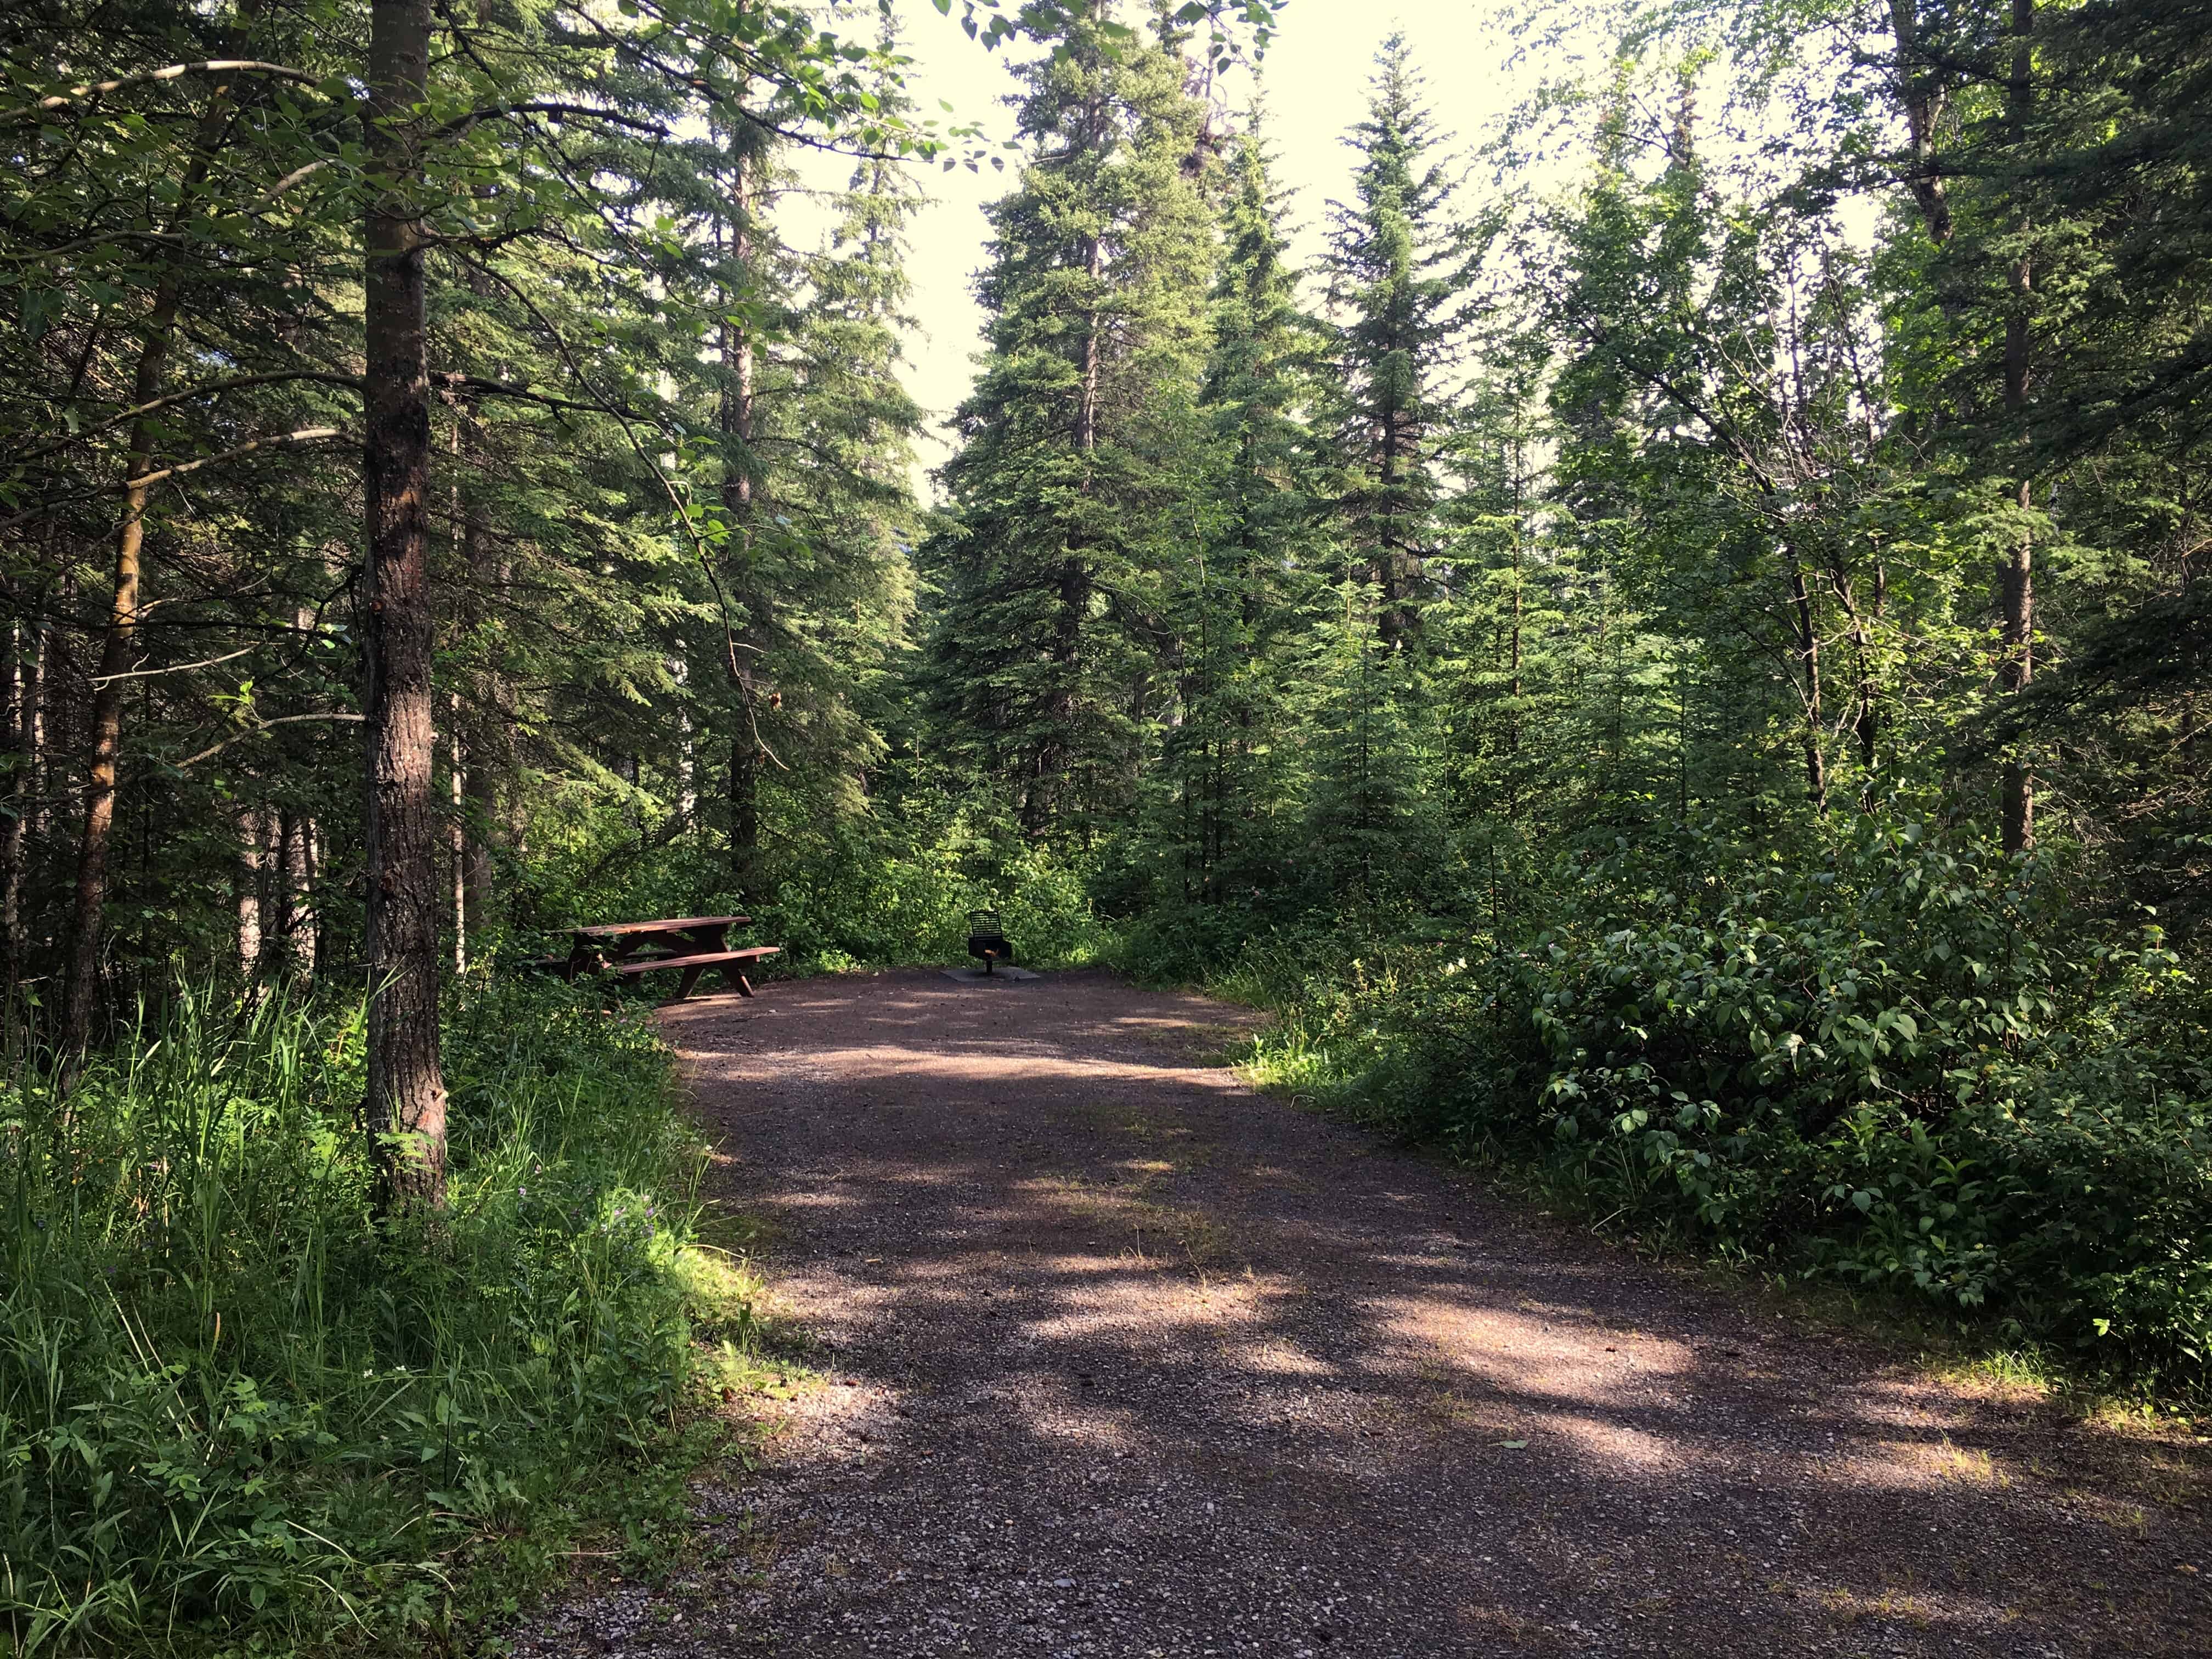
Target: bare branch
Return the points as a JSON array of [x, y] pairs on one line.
[[281, 720], [174, 72], [214, 389], [556, 109], [305, 435], [179, 668]]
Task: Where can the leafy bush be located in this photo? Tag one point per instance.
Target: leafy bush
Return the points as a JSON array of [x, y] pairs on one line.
[[230, 1404], [1894, 1062]]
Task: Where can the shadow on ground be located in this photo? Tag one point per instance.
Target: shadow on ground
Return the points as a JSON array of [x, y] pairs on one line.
[[1128, 1360]]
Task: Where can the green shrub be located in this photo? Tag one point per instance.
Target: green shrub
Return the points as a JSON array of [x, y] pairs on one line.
[[1895, 1062], [890, 888], [231, 1407]]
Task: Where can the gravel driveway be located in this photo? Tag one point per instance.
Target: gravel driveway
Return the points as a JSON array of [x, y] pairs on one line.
[[1128, 1360]]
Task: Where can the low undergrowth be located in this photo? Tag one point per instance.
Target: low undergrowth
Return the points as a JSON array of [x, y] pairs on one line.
[[237, 1416], [1894, 1065], [889, 888]]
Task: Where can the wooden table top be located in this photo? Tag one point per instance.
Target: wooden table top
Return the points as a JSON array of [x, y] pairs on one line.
[[674, 925]]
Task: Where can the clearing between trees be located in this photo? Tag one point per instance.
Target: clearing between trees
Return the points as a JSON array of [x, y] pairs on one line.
[[1117, 1357]]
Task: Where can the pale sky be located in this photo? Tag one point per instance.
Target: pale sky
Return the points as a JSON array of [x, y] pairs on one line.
[[1315, 78]]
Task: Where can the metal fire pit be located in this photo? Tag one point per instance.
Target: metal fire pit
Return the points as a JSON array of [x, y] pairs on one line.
[[987, 942]]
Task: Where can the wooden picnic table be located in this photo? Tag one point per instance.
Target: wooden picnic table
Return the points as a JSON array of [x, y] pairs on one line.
[[707, 932], [689, 943]]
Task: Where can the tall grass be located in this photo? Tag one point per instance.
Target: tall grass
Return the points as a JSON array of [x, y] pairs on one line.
[[234, 1411]]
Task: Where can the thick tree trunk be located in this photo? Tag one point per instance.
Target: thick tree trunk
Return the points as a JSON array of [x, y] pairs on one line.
[[406, 1106], [1921, 94]]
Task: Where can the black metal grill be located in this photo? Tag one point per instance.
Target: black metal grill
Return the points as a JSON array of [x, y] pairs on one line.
[[986, 941]]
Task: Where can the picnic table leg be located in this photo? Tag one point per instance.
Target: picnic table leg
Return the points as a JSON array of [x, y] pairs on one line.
[[733, 976], [684, 987]]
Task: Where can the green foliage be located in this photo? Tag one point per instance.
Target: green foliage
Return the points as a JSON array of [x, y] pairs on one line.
[[1895, 1059], [889, 887], [1517, 648], [1073, 482], [232, 1407]]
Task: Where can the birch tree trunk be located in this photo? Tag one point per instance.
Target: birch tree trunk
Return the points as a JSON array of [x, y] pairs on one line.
[[15, 690], [251, 856], [2018, 596]]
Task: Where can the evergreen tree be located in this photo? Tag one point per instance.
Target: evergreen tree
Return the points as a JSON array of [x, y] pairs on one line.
[[1073, 476], [1399, 270], [1242, 590], [1372, 834]]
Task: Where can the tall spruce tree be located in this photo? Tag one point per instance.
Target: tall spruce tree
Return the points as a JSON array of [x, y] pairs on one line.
[[1242, 590], [1075, 472], [1399, 269]]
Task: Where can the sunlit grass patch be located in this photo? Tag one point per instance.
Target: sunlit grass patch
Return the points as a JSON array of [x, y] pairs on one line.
[[235, 1410]]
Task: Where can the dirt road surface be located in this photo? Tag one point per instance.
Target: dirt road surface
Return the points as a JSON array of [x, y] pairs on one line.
[[1125, 1359]]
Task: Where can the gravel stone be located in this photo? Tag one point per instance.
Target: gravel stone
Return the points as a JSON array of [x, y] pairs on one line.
[[1128, 1361]]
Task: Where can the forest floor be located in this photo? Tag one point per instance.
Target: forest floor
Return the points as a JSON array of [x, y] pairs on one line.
[[1116, 1357]]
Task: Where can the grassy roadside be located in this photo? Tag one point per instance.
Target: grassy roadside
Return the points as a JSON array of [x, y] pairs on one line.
[[234, 1418]]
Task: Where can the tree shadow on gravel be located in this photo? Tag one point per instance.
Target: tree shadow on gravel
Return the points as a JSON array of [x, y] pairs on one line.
[[1131, 1360]]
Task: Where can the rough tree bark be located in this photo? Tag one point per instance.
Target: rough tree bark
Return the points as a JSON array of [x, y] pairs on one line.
[[1924, 97], [406, 1106]]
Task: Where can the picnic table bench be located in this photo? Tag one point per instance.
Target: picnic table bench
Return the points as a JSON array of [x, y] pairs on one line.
[[691, 945]]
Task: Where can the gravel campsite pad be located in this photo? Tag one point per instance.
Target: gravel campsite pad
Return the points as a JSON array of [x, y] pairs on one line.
[[1118, 1358]]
